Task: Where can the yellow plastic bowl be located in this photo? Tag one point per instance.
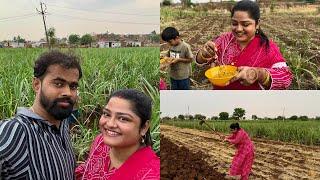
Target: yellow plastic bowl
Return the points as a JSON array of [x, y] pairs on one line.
[[221, 75]]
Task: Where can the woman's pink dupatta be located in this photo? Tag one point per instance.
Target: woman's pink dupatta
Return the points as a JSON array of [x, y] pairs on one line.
[[134, 163], [248, 57]]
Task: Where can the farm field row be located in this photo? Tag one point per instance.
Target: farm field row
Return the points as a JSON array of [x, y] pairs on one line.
[[297, 131], [273, 159]]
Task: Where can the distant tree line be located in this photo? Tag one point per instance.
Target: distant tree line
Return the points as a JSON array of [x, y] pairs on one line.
[[76, 40], [238, 114]]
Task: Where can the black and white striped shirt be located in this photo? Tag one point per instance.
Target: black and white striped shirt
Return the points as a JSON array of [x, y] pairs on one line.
[[32, 148]]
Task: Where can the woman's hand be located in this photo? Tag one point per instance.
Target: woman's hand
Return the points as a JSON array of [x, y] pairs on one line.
[[249, 75], [223, 138], [208, 53]]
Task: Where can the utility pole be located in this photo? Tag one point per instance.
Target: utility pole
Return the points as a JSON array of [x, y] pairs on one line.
[[43, 12], [188, 112]]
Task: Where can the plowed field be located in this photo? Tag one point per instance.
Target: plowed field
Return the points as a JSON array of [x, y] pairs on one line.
[[194, 154]]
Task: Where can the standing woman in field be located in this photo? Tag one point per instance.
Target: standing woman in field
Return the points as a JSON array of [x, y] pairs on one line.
[[123, 149], [259, 61], [243, 159]]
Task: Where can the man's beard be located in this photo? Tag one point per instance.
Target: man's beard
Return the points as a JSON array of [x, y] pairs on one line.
[[53, 108]]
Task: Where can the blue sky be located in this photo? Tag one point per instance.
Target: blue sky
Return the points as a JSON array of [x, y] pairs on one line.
[[19, 17], [260, 103]]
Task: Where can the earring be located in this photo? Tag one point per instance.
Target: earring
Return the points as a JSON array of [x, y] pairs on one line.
[[257, 31], [142, 138]]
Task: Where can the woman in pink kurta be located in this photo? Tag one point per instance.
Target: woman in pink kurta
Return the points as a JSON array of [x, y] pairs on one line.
[[243, 159], [97, 166], [123, 149], [259, 61]]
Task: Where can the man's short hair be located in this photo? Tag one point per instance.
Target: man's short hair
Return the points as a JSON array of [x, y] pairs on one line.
[[65, 60], [169, 33]]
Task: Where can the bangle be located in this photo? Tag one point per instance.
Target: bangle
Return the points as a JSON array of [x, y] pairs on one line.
[[202, 57], [266, 81]]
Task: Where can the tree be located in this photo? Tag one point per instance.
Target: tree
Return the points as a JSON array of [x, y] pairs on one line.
[[188, 117], [186, 3], [310, 1], [214, 118], [166, 2], [279, 118], [18, 39], [166, 118], [86, 40], [21, 40], [200, 117], [254, 117], [154, 37], [51, 34], [294, 117], [181, 117], [303, 117], [238, 113], [74, 39], [224, 116]]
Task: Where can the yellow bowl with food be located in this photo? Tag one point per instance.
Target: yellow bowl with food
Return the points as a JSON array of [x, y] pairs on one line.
[[166, 60], [221, 75]]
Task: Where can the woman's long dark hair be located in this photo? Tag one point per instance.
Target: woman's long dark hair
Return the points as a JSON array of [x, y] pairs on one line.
[[141, 106], [235, 126], [254, 12]]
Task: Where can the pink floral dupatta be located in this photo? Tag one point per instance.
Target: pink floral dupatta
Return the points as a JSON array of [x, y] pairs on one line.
[[253, 55], [134, 164], [143, 164]]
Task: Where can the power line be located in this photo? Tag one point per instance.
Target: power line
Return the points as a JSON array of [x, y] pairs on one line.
[[34, 4], [117, 22], [106, 12], [13, 17], [20, 18]]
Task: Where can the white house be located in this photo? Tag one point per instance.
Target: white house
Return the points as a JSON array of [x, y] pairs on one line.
[[134, 43], [39, 44], [109, 44], [16, 45]]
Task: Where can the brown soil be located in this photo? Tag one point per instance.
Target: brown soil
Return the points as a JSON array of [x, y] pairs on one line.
[[179, 163]]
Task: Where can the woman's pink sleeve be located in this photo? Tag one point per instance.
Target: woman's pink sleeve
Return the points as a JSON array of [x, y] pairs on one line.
[[238, 137], [81, 168], [281, 75]]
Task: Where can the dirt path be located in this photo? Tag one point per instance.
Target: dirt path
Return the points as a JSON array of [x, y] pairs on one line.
[[274, 160]]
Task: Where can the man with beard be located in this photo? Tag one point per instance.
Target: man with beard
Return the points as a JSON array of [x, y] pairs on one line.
[[35, 144]]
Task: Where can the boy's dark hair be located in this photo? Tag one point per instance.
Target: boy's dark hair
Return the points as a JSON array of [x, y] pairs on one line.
[[235, 126], [169, 33], [55, 57], [141, 106], [253, 10]]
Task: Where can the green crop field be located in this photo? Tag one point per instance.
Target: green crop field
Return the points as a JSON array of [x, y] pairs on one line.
[[297, 131], [104, 70]]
